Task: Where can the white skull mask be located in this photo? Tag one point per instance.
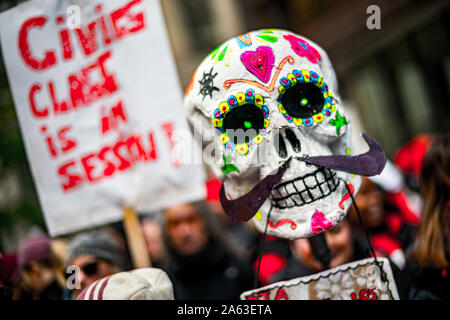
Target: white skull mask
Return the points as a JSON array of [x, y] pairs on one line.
[[282, 86]]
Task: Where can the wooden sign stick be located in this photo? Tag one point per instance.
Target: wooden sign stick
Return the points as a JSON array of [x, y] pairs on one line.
[[135, 238]]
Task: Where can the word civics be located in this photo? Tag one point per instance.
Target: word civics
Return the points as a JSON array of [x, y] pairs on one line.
[[93, 82]]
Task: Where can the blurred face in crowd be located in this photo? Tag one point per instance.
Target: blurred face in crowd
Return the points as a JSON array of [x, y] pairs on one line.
[[91, 269], [186, 229], [339, 241], [36, 277], [370, 203], [153, 238]]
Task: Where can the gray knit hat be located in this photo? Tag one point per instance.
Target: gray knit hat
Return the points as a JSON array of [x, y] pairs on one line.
[[98, 244]]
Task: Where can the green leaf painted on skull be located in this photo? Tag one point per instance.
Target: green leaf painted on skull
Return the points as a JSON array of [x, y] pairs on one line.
[[222, 54], [228, 167], [214, 52], [338, 122], [268, 38]]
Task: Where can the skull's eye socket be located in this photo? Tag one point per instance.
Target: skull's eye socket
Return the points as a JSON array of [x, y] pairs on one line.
[[243, 123], [303, 100]]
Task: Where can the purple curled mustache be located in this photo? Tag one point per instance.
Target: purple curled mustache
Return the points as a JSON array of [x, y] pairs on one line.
[[367, 164], [246, 206]]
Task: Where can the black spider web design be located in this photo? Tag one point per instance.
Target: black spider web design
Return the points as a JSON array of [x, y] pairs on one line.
[[207, 84]]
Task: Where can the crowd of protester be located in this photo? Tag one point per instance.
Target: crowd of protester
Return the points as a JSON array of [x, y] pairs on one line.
[[198, 253]]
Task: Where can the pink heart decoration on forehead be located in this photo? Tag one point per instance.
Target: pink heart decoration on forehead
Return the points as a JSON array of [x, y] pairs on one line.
[[259, 62]]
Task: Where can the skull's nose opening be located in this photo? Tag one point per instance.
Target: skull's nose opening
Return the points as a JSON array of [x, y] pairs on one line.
[[280, 145], [293, 140], [303, 100]]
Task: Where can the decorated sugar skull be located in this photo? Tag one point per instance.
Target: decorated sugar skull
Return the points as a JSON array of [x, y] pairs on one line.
[[278, 90]]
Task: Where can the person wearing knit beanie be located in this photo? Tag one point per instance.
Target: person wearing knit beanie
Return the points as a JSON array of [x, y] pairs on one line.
[[36, 273], [36, 247], [92, 255]]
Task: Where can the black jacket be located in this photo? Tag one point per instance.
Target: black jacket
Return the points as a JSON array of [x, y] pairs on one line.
[[212, 274], [428, 283]]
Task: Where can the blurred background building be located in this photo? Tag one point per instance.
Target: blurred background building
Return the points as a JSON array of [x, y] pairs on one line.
[[394, 81]]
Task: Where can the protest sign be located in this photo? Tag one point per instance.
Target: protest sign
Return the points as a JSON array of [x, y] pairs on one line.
[[359, 280], [99, 103]]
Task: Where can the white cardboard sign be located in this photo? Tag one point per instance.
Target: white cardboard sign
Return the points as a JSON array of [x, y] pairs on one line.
[[99, 102], [359, 280]]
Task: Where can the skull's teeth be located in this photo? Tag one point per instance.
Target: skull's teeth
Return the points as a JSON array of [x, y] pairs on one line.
[[304, 190]]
